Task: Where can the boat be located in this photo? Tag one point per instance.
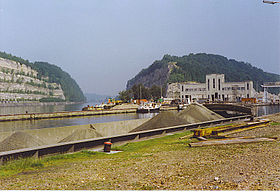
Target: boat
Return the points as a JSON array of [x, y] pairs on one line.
[[93, 108], [184, 105], [148, 108]]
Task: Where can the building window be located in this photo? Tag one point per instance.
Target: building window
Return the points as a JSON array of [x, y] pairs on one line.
[[219, 81], [213, 83], [182, 87], [208, 84], [247, 86]]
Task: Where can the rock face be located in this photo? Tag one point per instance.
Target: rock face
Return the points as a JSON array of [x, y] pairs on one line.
[[19, 82], [194, 67], [157, 74]]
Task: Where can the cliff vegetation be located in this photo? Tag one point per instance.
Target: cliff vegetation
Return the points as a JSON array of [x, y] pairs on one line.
[[194, 67], [23, 80]]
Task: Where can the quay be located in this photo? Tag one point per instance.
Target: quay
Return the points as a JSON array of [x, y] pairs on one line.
[[35, 116], [68, 114]]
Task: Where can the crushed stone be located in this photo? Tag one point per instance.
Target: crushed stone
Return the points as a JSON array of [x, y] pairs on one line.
[[163, 119], [195, 113], [80, 134], [20, 140]]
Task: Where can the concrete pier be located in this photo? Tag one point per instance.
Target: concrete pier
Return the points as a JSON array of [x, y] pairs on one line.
[[31, 116], [34, 116]]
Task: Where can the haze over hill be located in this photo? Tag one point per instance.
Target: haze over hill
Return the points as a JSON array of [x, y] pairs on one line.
[[96, 98], [194, 67]]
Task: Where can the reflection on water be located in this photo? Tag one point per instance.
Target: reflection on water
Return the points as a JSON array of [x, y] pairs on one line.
[[60, 122], [42, 108]]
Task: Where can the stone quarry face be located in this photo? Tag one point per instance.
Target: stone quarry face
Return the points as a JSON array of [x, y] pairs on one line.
[[19, 81]]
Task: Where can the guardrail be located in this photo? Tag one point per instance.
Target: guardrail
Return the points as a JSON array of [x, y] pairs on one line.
[[98, 142]]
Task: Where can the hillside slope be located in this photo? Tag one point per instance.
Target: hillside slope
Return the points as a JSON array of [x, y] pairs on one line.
[[21, 80], [194, 67]]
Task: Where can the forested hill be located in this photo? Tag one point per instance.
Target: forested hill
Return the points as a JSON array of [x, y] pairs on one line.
[[52, 74], [194, 67]]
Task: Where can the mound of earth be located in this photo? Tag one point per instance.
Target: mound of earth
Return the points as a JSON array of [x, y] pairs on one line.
[[80, 134], [163, 119], [195, 113], [20, 140]]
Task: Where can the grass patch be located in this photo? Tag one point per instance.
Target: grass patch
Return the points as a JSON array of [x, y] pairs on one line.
[[20, 165], [131, 150], [274, 123], [30, 164], [155, 145]]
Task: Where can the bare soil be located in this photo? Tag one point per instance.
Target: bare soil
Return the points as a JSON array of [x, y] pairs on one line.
[[169, 166]]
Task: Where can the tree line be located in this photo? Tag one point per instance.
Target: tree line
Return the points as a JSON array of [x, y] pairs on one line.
[[139, 91]]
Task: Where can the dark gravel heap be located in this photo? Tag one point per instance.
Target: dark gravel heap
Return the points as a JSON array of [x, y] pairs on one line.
[[163, 119], [196, 113], [20, 140], [80, 134]]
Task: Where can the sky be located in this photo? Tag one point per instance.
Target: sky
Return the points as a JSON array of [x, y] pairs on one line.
[[104, 43]]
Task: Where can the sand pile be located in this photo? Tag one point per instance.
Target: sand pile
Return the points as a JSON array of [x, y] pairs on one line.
[[163, 119], [80, 134], [195, 113], [20, 140]]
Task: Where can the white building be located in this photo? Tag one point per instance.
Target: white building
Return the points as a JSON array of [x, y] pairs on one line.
[[215, 89]]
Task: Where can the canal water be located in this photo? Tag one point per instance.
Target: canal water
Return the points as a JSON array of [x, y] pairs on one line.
[[59, 122], [7, 110]]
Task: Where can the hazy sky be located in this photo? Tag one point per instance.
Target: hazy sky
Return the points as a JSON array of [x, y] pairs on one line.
[[104, 43]]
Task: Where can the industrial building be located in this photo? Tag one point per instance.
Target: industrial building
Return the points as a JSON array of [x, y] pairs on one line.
[[215, 89]]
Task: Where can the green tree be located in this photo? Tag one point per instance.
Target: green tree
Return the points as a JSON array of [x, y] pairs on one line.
[[125, 95]]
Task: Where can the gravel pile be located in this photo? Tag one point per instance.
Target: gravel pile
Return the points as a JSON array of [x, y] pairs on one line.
[[80, 134], [20, 140], [196, 113], [163, 119]]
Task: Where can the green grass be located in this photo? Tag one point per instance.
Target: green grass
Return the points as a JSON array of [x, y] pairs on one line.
[[31, 164], [130, 150], [274, 123]]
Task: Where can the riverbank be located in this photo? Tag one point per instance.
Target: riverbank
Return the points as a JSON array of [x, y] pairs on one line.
[[19, 104], [68, 114], [165, 163]]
